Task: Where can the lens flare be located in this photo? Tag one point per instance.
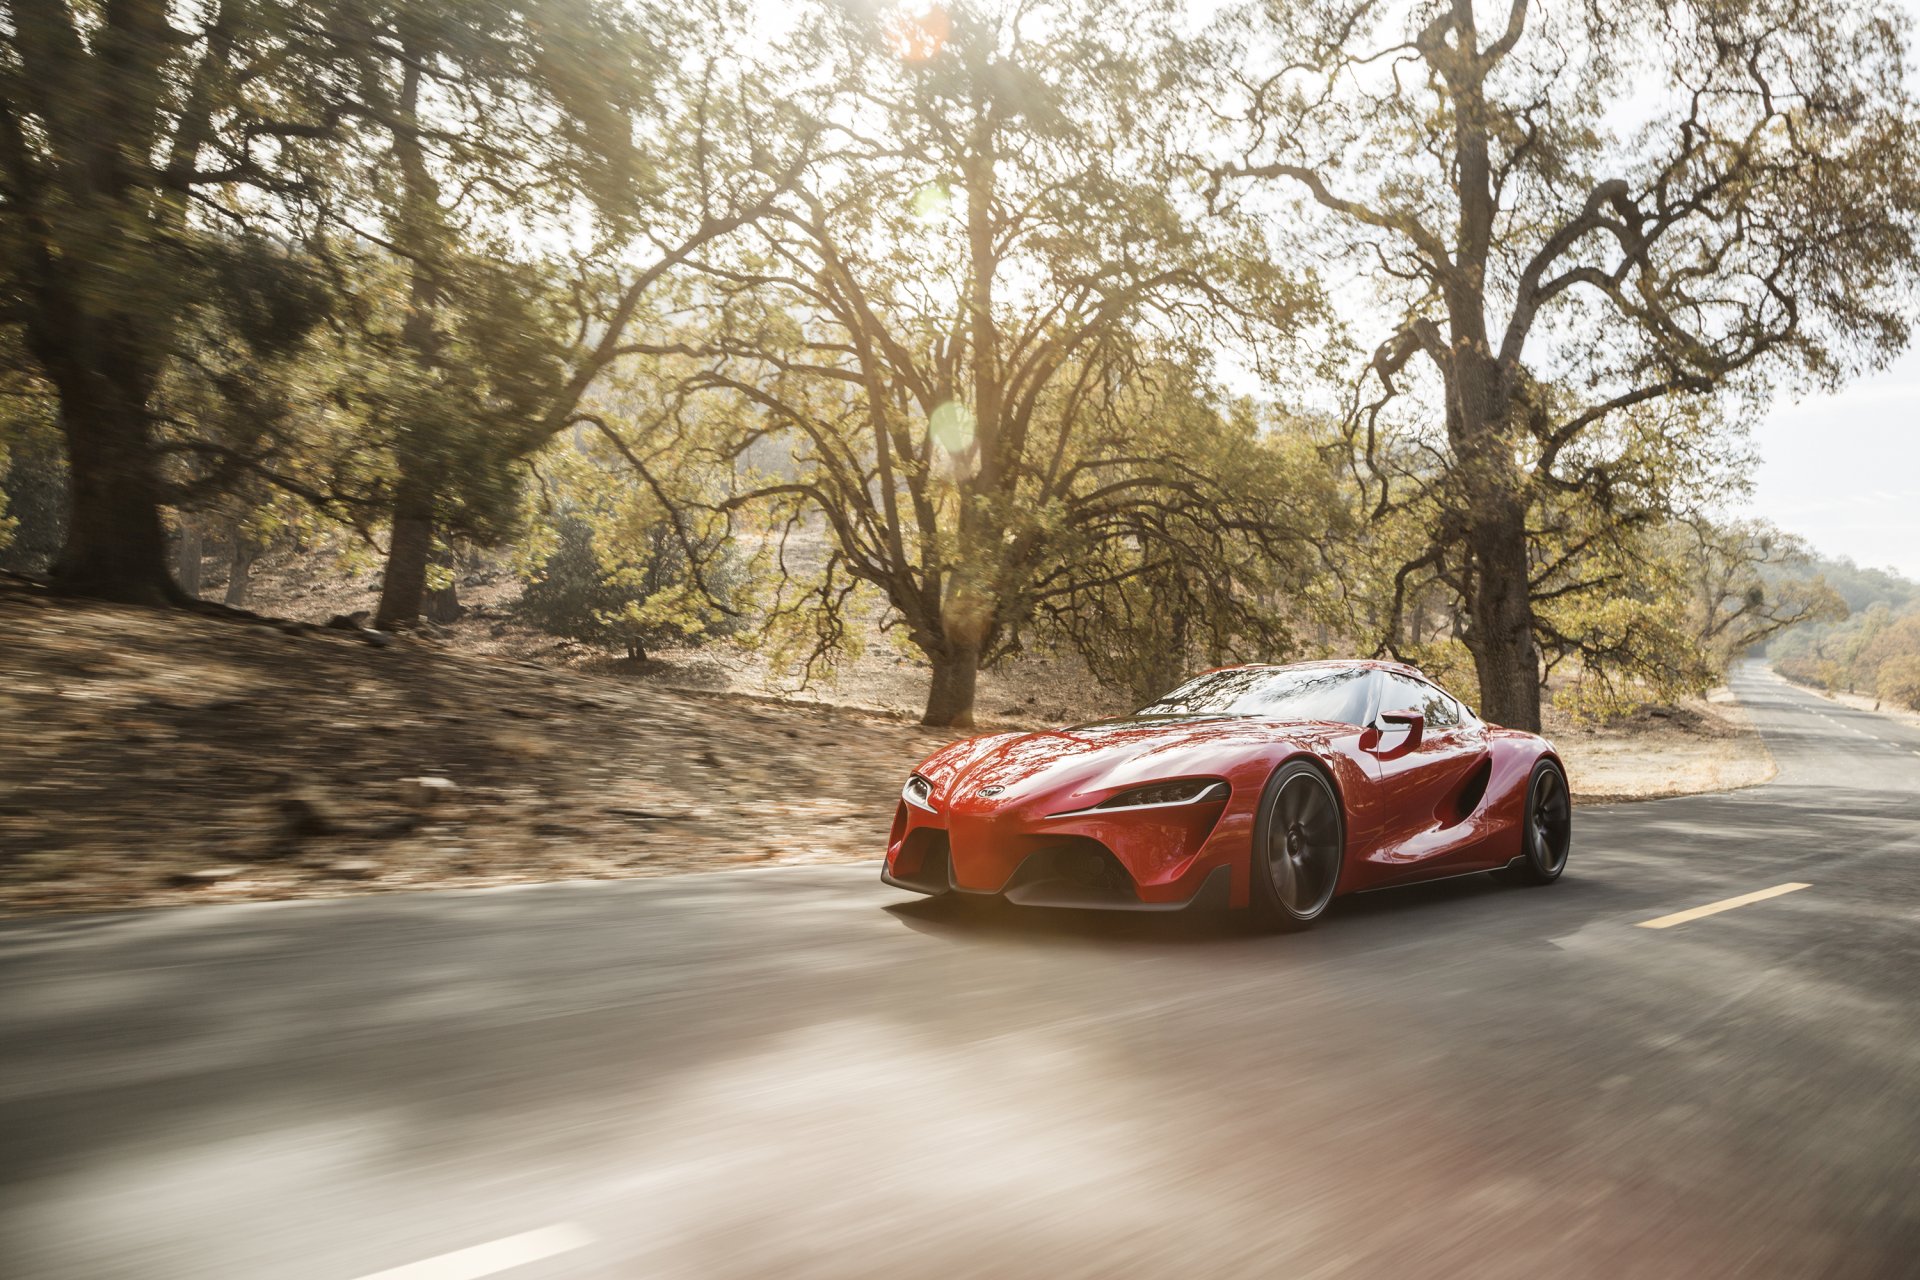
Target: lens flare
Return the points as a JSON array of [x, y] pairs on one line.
[[931, 202], [917, 32], [952, 427]]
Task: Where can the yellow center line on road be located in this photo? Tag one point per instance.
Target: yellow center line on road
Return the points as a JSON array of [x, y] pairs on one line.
[[1715, 908]]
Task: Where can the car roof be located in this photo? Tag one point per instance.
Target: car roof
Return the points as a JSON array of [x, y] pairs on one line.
[[1369, 664]]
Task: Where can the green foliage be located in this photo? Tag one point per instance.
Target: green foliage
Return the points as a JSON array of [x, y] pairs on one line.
[[33, 480], [634, 593]]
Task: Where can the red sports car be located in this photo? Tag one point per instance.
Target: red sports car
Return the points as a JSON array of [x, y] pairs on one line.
[[1270, 787]]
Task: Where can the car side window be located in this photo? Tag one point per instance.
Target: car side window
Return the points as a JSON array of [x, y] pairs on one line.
[[1442, 711], [1404, 693]]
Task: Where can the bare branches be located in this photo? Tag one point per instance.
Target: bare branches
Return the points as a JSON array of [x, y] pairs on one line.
[[1405, 224]]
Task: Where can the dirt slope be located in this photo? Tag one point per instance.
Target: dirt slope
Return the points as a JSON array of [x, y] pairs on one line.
[[148, 757]]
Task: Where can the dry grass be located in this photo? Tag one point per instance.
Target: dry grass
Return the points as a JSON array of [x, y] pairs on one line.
[[1705, 744]]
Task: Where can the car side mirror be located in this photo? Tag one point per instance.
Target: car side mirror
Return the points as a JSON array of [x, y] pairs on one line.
[[1415, 723]]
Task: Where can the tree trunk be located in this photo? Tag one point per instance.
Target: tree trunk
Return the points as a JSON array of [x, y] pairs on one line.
[[240, 567], [116, 548], [189, 549], [1500, 612], [443, 603], [403, 591], [408, 548], [956, 673]]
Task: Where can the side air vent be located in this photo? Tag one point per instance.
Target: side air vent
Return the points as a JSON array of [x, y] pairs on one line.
[[1472, 791]]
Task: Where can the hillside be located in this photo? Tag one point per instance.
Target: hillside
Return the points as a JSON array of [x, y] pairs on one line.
[[150, 758]]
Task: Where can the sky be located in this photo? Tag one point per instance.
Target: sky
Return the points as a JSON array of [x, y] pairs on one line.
[[1843, 470]]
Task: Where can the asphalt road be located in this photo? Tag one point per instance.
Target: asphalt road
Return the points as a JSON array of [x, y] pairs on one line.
[[803, 1073]]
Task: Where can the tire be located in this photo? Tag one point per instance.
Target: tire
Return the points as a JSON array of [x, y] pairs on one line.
[[1546, 828], [1299, 848]]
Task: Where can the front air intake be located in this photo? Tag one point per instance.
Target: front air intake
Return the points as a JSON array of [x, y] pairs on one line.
[[924, 861], [1075, 871]]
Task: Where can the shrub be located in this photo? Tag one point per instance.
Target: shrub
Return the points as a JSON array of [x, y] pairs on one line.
[[635, 606], [1899, 680]]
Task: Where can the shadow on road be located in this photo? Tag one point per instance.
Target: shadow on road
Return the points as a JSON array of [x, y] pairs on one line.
[[957, 916]]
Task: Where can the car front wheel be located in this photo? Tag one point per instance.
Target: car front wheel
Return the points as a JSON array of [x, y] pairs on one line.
[[1297, 848]]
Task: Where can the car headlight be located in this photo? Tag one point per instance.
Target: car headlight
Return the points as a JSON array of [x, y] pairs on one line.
[[1157, 794], [918, 792], [1160, 795]]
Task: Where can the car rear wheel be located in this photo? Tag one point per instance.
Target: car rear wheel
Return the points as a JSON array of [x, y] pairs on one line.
[[1298, 844], [1546, 828]]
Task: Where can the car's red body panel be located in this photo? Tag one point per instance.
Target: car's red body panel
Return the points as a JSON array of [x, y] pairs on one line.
[[1450, 804]]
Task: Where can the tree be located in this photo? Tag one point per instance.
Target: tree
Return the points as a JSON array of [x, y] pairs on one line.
[[938, 327], [473, 113], [1545, 265], [1739, 599], [142, 147], [1638, 591], [174, 173], [1898, 680], [1169, 583], [634, 592], [32, 476], [494, 124]]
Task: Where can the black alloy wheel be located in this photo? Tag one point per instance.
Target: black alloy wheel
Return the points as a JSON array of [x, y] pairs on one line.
[[1298, 847], [1546, 827]]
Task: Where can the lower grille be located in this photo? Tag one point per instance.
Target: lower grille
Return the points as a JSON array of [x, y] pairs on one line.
[[1077, 871]]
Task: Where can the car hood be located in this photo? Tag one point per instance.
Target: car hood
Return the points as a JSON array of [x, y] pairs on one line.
[[1068, 768]]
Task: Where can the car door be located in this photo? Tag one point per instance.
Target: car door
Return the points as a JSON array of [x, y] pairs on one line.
[[1422, 779]]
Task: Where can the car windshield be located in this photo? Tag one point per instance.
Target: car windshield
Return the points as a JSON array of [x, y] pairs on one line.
[[1286, 693]]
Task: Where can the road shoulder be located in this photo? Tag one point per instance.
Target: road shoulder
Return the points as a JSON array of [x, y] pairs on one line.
[[1703, 745]]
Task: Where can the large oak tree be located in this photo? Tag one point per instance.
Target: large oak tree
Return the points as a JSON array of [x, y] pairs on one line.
[[939, 327], [1625, 202]]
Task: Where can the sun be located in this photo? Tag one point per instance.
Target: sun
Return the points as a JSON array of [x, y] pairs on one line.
[[917, 32]]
